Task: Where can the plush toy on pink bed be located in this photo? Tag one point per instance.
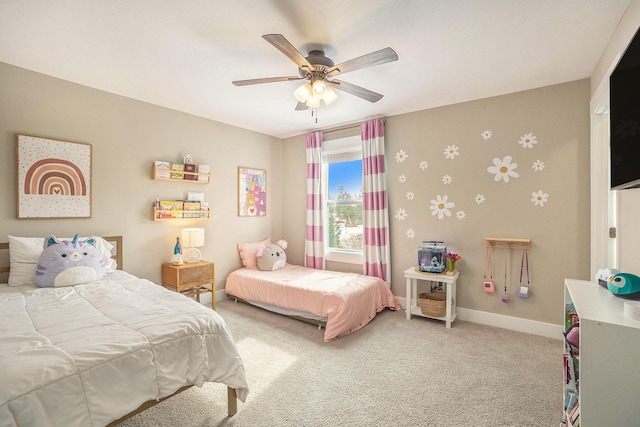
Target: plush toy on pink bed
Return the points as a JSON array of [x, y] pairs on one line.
[[272, 257], [67, 263]]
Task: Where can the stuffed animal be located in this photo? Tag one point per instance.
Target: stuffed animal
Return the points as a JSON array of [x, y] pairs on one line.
[[272, 257], [604, 274], [625, 285], [67, 263]]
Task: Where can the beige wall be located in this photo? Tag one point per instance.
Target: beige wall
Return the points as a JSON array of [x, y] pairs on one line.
[[559, 118], [127, 136]]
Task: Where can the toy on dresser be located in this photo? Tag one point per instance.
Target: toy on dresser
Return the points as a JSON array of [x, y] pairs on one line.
[[625, 285]]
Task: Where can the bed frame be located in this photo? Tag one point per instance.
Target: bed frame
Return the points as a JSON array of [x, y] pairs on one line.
[[116, 241], [319, 323]]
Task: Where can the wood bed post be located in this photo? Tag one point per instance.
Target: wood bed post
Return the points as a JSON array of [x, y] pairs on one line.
[[232, 401]]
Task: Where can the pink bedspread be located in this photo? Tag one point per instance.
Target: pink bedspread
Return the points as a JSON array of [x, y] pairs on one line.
[[348, 300]]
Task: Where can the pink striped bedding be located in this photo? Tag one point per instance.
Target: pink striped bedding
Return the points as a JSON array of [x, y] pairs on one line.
[[347, 300]]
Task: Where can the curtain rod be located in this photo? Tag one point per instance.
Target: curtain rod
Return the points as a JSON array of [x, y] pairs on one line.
[[346, 127]]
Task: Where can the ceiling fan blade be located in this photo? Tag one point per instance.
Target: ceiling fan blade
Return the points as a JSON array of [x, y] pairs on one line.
[[378, 57], [265, 80], [284, 46], [355, 90], [301, 106]]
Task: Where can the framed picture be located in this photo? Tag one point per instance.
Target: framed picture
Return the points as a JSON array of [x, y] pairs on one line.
[[53, 178], [252, 192]]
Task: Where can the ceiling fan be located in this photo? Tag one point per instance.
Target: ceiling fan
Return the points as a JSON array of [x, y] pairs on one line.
[[319, 73]]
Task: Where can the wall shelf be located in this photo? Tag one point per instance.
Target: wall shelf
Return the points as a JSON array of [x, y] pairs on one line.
[[158, 214], [199, 178], [507, 243]]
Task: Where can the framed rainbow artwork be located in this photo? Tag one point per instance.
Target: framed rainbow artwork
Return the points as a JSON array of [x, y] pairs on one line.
[[252, 192], [53, 178]]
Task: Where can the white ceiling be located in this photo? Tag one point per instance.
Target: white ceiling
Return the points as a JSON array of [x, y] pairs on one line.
[[184, 54]]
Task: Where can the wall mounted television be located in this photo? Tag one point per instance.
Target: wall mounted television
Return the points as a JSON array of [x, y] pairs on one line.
[[624, 101]]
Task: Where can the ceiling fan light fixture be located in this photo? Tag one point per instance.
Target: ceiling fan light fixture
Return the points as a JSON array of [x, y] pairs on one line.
[[329, 96], [318, 71], [313, 101], [319, 87], [303, 92]]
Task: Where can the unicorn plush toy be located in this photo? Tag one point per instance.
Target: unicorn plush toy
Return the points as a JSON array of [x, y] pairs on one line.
[[67, 263]]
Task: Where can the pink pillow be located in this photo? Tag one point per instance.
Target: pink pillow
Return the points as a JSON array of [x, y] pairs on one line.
[[248, 253]]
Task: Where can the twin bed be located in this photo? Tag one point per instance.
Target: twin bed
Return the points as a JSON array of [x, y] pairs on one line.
[[341, 302], [97, 353]]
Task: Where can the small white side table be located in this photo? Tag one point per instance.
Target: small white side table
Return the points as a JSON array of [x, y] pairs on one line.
[[448, 280]]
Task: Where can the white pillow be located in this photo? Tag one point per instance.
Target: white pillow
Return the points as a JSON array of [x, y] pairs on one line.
[[24, 253]]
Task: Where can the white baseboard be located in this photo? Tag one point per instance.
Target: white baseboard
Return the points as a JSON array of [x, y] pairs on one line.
[[528, 326]]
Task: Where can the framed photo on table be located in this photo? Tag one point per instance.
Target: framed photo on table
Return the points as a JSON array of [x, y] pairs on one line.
[[53, 178], [252, 192]]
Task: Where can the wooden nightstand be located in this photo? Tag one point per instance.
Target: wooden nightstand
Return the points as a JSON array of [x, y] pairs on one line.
[[189, 279]]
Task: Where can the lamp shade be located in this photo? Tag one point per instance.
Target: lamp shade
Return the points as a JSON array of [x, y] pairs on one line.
[[313, 102], [192, 237], [303, 92], [329, 96], [319, 87]]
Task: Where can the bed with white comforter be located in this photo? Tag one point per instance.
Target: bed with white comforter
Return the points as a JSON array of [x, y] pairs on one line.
[[86, 355]]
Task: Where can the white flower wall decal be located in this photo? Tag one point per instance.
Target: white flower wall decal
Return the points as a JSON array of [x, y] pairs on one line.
[[402, 179], [441, 206], [411, 233], [503, 169], [538, 165], [401, 156], [447, 179], [451, 152], [528, 140], [461, 215], [479, 199], [410, 195], [539, 198], [486, 135], [424, 165], [401, 214]]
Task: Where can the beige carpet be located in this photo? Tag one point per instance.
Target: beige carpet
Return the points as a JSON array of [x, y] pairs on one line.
[[393, 372]]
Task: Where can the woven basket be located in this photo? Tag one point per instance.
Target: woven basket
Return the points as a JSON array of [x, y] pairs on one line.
[[433, 304]]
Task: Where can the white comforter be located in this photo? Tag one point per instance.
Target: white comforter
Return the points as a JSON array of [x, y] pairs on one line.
[[86, 355]]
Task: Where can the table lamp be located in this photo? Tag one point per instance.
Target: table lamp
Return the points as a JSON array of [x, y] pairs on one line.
[[192, 238]]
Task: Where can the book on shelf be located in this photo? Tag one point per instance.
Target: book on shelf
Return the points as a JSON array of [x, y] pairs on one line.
[[203, 169], [162, 169], [571, 316], [574, 415], [189, 167], [191, 205], [570, 402], [177, 170]]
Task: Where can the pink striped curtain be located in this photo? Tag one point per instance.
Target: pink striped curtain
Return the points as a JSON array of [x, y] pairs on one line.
[[314, 244], [377, 254]]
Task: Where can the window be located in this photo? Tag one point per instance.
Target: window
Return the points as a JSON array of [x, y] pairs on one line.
[[342, 192]]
